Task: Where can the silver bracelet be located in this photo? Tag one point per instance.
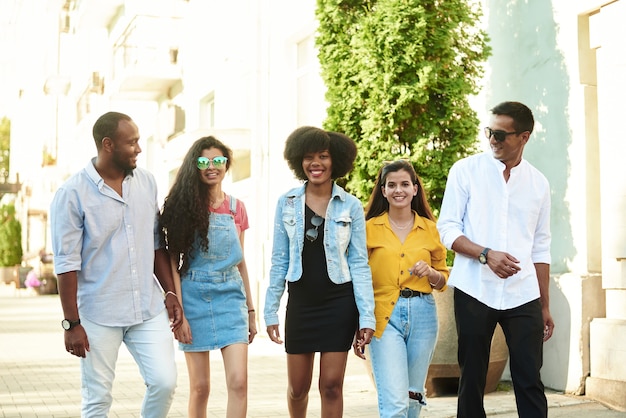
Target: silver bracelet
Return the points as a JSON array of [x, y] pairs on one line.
[[169, 292], [438, 281]]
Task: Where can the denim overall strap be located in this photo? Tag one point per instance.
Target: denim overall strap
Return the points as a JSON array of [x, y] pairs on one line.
[[224, 250], [233, 204]]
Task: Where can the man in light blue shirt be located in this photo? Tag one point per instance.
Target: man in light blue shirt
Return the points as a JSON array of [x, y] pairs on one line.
[[495, 215], [104, 224]]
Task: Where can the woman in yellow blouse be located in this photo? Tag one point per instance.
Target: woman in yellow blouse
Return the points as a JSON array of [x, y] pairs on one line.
[[408, 262]]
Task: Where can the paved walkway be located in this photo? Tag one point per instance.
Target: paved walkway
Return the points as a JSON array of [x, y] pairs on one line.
[[39, 379]]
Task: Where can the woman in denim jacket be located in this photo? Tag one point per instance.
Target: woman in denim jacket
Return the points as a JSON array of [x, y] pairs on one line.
[[319, 250]]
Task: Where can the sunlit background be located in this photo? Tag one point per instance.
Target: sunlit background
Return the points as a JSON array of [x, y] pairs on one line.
[[247, 72]]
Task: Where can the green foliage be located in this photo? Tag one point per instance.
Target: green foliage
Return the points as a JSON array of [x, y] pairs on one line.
[[48, 158], [10, 237], [399, 74], [5, 146]]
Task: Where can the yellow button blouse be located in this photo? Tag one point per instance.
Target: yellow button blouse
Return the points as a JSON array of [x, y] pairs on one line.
[[390, 260]]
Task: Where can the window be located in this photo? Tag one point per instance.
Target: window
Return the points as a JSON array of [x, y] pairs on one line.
[[207, 111]]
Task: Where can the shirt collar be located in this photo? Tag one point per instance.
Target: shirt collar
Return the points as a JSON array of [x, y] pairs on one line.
[[336, 192], [383, 219], [93, 173], [501, 166], [95, 176]]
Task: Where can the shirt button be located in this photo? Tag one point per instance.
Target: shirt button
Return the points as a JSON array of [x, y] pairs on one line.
[[386, 318], [402, 255], [401, 271]]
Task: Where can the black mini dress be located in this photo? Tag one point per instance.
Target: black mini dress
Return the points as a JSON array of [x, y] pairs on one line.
[[321, 316]]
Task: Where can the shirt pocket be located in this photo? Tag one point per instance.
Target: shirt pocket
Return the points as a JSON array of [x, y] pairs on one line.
[[342, 226], [103, 220], [219, 243], [289, 223]]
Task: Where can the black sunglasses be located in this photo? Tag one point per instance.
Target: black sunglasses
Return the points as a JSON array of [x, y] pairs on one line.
[[500, 136], [312, 233]]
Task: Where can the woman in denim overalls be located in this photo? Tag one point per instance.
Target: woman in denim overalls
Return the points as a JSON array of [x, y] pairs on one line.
[[211, 277]]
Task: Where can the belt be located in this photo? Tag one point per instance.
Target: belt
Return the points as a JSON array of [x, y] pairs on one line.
[[410, 293]]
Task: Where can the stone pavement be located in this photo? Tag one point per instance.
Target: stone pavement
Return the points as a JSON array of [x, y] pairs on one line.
[[39, 379]]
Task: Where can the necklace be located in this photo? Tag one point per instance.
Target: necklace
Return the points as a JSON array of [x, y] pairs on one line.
[[405, 226]]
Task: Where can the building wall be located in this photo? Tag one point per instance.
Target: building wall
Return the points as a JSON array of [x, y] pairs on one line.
[[565, 63], [534, 61], [607, 380]]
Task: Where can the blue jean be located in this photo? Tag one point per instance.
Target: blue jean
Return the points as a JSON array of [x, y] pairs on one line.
[[401, 356], [151, 345]]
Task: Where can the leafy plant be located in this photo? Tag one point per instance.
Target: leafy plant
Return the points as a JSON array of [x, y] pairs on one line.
[[5, 146], [10, 237], [399, 75]]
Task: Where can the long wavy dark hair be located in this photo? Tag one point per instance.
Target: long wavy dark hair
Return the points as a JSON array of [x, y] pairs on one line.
[[378, 204], [185, 210]]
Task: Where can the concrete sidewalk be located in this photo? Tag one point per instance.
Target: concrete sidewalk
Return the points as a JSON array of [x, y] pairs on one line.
[[39, 379]]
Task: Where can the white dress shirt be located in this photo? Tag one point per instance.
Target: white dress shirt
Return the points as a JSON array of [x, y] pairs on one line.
[[512, 216]]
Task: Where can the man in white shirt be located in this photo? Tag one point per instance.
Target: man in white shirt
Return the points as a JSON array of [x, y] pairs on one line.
[[495, 215]]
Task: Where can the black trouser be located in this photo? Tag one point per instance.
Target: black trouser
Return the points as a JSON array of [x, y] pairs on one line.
[[523, 329]]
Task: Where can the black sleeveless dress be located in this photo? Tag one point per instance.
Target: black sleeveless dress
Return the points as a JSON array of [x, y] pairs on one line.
[[321, 316]]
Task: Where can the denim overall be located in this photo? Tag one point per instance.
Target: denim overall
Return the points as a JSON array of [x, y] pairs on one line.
[[214, 297]]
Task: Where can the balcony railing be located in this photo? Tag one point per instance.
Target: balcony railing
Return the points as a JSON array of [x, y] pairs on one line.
[[145, 57]]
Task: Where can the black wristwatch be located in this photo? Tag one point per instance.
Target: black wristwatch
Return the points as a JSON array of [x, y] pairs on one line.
[[482, 258], [68, 325]]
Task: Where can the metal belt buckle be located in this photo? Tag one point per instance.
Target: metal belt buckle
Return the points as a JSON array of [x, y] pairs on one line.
[[407, 293]]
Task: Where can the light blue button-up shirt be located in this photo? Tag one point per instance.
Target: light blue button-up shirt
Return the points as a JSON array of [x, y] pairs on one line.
[[511, 216], [109, 240], [344, 246]]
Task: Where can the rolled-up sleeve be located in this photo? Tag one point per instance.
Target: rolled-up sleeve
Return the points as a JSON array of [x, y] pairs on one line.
[[66, 224]]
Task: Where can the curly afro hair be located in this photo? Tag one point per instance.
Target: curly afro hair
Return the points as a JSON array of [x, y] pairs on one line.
[[308, 139]]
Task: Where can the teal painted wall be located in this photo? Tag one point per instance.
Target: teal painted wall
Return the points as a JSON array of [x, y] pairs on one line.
[[527, 66]]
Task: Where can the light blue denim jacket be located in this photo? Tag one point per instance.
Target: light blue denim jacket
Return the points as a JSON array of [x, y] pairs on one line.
[[344, 245]]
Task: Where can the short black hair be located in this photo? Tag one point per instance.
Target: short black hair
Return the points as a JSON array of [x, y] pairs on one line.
[[106, 126], [307, 139], [522, 116]]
